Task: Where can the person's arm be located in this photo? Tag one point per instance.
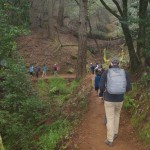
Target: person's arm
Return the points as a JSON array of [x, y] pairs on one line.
[[103, 81]]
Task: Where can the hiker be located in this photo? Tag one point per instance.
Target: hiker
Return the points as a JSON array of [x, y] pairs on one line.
[[44, 71], [97, 82], [37, 70], [114, 83], [55, 69], [31, 70], [101, 70], [92, 68]]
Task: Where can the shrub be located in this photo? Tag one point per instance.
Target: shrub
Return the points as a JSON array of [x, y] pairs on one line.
[[21, 110], [53, 135]]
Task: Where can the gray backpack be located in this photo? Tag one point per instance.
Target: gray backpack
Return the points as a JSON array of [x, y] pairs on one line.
[[116, 81]]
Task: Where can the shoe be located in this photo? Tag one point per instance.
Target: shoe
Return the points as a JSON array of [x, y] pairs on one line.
[[115, 136], [108, 143]]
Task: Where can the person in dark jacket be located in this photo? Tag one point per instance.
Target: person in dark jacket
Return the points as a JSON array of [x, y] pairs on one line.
[[97, 82], [113, 104], [92, 67]]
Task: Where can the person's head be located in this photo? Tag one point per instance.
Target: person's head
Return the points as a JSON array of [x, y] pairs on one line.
[[115, 61]]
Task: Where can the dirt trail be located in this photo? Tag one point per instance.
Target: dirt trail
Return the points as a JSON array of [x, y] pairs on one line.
[[91, 132]]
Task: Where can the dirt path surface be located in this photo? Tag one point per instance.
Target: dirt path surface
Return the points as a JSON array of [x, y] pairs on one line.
[[91, 133]]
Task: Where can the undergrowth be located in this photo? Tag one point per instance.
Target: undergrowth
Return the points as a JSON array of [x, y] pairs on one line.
[[137, 101], [57, 92], [56, 132]]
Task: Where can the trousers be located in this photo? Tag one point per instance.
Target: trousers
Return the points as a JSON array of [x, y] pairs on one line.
[[112, 110]]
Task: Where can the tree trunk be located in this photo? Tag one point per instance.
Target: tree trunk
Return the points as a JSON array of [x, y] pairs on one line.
[[142, 26], [61, 13], [134, 62], [50, 19], [82, 43]]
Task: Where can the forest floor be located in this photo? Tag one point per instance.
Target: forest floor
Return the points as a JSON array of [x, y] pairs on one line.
[[91, 132]]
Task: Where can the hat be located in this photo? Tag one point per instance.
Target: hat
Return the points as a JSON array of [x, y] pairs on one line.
[[115, 61]]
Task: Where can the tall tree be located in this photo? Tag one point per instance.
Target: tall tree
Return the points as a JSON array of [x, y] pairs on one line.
[[61, 13], [123, 19], [82, 49], [143, 4], [50, 19]]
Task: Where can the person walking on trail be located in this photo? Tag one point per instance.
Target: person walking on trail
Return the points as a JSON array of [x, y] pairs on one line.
[[114, 83], [97, 82], [37, 70], [92, 68], [31, 70], [101, 70], [55, 70], [44, 71]]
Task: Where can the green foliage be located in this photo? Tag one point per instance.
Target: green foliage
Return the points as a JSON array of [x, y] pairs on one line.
[[145, 133], [9, 29], [56, 91], [140, 112], [129, 103], [21, 110], [53, 135], [57, 86]]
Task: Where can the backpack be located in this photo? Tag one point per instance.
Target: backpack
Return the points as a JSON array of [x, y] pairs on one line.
[[116, 81]]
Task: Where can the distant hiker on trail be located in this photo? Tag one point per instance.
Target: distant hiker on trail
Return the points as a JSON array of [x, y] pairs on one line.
[[37, 70], [115, 82], [55, 70], [96, 66], [92, 68], [101, 70], [97, 82], [44, 71], [31, 70]]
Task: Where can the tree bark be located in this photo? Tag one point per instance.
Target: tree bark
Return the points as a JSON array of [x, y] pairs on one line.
[[82, 43], [142, 26], [134, 62], [50, 19], [61, 13]]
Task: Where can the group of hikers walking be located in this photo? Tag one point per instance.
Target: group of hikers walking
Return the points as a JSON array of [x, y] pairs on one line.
[[36, 70], [110, 86]]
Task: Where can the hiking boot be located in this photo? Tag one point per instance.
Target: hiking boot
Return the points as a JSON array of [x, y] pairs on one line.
[[108, 143], [115, 136]]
